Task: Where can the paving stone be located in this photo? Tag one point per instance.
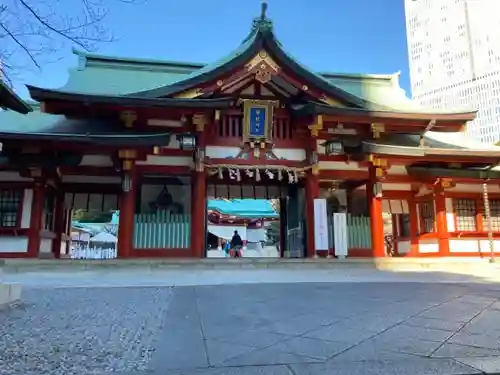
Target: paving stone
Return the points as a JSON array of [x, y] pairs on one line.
[[418, 333], [219, 352], [314, 348], [267, 356], [407, 345], [341, 333], [248, 370], [456, 351], [294, 326], [488, 365], [369, 351], [480, 340], [416, 366], [445, 325], [254, 338]]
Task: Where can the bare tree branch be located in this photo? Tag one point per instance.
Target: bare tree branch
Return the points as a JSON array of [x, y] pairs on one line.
[[40, 29]]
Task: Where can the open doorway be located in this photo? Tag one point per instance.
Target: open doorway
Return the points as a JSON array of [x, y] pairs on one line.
[[93, 226], [246, 228]]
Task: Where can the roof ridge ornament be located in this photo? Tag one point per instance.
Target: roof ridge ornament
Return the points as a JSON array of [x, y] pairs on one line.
[[263, 10], [261, 23]]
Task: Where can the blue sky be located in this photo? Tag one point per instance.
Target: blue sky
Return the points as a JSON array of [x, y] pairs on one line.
[[356, 36]]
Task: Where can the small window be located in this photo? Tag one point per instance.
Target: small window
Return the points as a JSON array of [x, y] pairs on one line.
[[465, 211], [10, 202], [427, 217], [495, 215]]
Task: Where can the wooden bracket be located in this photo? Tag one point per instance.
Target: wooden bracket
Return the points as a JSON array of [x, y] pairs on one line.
[[200, 120], [128, 118], [127, 154], [377, 129], [378, 162], [127, 165], [445, 183], [317, 126]]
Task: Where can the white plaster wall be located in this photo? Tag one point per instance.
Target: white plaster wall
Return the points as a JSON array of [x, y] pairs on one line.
[[13, 244], [296, 154], [403, 187], [173, 143], [428, 245], [474, 188], [26, 211], [96, 160], [404, 247], [464, 246], [221, 152], [485, 246], [46, 245], [450, 217], [338, 165], [397, 170], [78, 179], [167, 160], [164, 123], [13, 177], [64, 248]]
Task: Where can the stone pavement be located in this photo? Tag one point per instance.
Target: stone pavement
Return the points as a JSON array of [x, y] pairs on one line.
[[287, 328]]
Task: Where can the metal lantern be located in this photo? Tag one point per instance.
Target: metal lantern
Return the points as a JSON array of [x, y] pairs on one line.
[[334, 147], [187, 141]]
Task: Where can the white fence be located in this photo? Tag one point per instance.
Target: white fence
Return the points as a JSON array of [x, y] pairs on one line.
[[86, 252]]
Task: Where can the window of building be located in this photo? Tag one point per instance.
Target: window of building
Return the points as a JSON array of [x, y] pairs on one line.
[[10, 204], [495, 215], [465, 212], [427, 217]]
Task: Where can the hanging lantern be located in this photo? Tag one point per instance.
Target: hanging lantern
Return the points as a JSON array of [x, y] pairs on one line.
[[257, 175], [238, 175], [221, 176]]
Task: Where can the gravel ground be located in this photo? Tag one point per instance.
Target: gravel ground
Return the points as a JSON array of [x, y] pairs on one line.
[[81, 330]]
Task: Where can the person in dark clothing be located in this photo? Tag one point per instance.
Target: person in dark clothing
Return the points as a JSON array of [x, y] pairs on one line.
[[236, 244]]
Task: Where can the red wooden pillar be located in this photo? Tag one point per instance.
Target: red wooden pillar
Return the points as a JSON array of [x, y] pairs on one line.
[[126, 221], [37, 207], [311, 193], [412, 206], [59, 224], [441, 225], [376, 219], [198, 214]]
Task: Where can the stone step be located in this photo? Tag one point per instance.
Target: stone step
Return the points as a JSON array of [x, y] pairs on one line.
[[451, 263]]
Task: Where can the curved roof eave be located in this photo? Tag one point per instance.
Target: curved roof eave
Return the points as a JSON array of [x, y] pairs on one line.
[[9, 99], [41, 94], [261, 37]]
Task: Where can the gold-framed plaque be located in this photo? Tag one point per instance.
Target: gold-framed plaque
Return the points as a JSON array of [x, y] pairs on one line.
[[257, 120]]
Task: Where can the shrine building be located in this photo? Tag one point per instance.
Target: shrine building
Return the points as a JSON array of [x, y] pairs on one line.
[[356, 168]]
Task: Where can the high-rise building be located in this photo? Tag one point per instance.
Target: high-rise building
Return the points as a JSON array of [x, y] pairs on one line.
[[454, 53]]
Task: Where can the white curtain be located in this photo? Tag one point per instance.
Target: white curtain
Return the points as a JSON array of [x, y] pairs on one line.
[[226, 231]]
